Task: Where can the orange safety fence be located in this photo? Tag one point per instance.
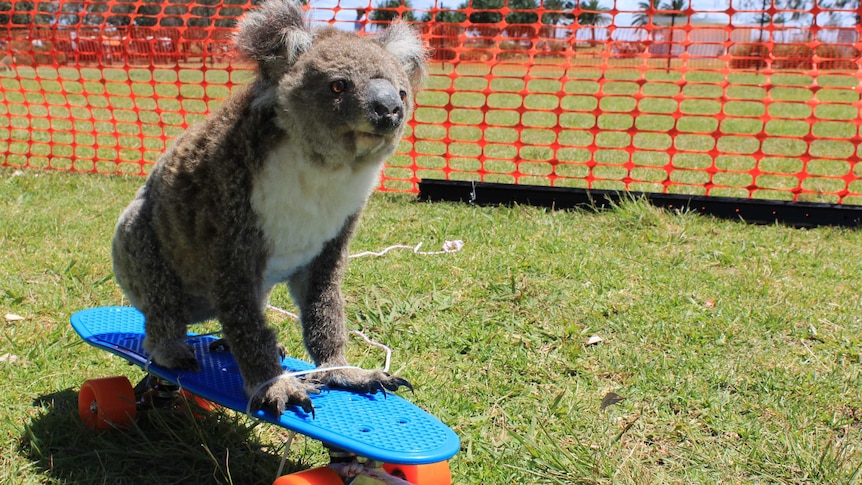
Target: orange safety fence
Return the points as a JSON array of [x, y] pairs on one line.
[[739, 98]]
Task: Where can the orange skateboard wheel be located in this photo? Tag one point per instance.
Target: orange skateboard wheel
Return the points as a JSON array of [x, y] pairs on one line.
[[198, 403], [106, 403], [315, 476], [430, 474]]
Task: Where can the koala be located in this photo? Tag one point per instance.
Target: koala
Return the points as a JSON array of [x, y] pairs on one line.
[[268, 189]]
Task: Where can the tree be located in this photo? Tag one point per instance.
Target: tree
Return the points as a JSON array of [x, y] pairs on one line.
[[850, 5], [557, 11], [446, 15], [646, 11], [391, 11], [676, 7], [835, 18], [850, 11], [791, 11], [446, 32], [797, 9], [485, 14], [483, 11], [593, 14], [523, 16], [650, 9]]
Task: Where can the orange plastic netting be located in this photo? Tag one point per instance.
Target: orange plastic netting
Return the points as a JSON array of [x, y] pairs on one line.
[[752, 98]]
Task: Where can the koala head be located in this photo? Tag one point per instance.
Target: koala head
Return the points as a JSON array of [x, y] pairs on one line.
[[345, 98]]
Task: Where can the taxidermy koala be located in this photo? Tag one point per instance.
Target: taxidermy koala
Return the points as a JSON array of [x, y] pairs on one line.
[[269, 189]]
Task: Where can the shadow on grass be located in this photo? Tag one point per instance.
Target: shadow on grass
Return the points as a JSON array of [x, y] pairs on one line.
[[162, 447]]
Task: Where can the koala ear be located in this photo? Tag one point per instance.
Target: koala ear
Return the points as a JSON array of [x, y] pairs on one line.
[[274, 35], [406, 45]]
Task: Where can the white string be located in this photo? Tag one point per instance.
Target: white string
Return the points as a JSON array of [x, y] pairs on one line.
[[385, 348], [283, 311], [381, 253], [379, 346], [290, 435], [448, 247]]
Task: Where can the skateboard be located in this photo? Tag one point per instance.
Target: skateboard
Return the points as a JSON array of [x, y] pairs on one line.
[[382, 438]]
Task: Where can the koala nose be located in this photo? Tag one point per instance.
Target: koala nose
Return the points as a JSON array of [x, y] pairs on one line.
[[385, 109]]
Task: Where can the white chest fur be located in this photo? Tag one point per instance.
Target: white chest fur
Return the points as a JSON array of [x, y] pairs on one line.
[[301, 205]]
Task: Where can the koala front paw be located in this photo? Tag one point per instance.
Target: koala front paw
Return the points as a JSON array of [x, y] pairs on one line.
[[173, 354], [283, 392], [361, 380]]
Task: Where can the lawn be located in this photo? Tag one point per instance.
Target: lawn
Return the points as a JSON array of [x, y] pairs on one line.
[[737, 348], [783, 136], [698, 131]]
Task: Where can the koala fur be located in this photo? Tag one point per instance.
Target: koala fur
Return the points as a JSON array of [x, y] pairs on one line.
[[269, 189]]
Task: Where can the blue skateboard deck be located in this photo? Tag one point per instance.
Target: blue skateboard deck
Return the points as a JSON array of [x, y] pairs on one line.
[[386, 428]]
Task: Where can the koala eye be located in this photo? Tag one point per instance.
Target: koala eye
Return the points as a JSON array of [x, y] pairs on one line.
[[403, 95], [339, 86]]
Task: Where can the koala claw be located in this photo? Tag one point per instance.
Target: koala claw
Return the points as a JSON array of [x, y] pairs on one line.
[[285, 392], [401, 382], [367, 381]]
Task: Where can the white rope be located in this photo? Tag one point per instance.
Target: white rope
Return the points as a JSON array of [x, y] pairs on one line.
[[381, 253], [386, 349], [378, 345], [290, 435], [283, 311], [448, 247]]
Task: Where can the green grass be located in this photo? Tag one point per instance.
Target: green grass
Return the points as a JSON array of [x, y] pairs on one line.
[[737, 347]]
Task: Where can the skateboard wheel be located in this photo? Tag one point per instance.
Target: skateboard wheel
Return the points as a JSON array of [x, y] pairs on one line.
[[315, 476], [430, 474], [106, 403], [197, 403]]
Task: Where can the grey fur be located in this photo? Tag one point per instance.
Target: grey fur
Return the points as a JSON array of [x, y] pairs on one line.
[[268, 189]]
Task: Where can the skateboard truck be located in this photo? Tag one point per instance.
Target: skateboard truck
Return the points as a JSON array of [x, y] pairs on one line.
[[153, 392], [351, 469], [354, 472]]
